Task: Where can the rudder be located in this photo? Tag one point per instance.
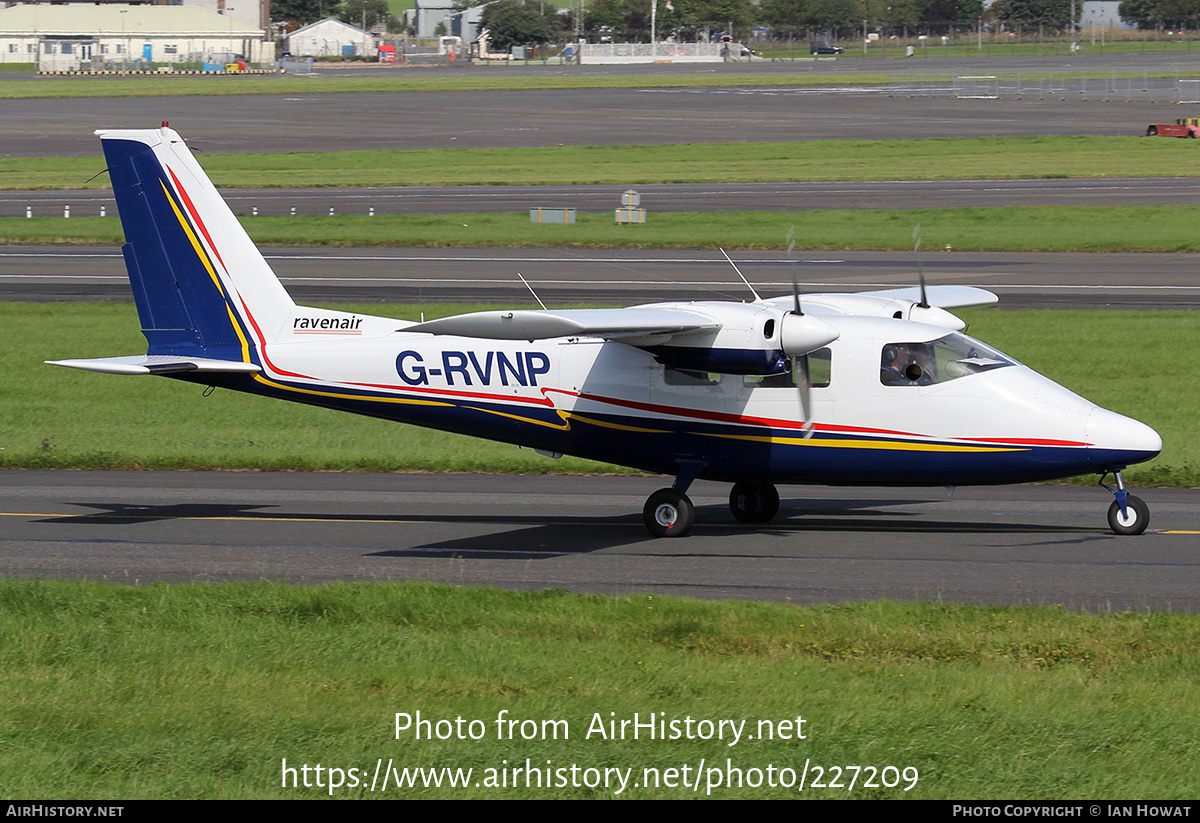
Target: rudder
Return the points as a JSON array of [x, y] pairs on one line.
[[201, 286]]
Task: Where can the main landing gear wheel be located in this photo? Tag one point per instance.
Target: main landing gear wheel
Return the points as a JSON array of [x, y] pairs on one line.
[[669, 513], [1135, 520], [754, 502]]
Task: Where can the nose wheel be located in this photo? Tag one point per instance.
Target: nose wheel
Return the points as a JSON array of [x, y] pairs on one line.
[[1127, 514]]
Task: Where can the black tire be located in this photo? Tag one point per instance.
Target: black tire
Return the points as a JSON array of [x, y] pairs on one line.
[[754, 502], [669, 513], [1152, 131], [1137, 516]]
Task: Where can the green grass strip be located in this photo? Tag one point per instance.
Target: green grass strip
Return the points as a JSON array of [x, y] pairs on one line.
[[1007, 228], [929, 159], [202, 691], [63, 418], [497, 77]]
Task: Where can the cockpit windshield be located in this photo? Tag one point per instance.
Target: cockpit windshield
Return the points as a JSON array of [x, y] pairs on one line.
[[939, 361]]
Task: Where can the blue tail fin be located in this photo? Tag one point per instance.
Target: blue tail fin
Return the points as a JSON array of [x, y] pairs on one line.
[[202, 288]]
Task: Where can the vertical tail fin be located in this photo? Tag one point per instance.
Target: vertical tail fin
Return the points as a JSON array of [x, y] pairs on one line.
[[201, 286]]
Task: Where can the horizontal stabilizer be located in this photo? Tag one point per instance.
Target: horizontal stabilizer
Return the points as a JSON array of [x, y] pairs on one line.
[[156, 364], [543, 325], [942, 297]]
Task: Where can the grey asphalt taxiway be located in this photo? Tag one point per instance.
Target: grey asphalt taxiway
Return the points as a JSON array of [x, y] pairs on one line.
[[623, 277], [1038, 545]]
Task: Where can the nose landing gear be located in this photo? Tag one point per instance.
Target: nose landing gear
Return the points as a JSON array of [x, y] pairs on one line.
[[1127, 514]]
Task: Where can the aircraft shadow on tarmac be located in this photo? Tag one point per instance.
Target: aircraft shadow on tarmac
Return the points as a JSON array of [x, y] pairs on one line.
[[563, 536], [545, 537]]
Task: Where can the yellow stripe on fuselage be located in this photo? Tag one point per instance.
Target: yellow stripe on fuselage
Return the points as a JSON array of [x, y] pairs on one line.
[[885, 445], [619, 427], [367, 399]]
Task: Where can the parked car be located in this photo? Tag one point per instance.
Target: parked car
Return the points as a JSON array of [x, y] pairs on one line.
[[824, 47]]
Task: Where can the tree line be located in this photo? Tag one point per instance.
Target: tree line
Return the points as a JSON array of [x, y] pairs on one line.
[[518, 22]]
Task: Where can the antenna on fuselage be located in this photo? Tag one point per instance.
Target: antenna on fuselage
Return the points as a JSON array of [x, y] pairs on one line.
[[757, 299]]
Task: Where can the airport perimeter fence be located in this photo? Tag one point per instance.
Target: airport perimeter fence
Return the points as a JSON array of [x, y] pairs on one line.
[[1051, 86]]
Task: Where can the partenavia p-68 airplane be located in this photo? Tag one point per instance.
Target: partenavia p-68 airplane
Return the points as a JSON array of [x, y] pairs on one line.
[[877, 388]]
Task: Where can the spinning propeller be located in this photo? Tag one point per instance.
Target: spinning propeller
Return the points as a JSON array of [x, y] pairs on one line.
[[801, 334]]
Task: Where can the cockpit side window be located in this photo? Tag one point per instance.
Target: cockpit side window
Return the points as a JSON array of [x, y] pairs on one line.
[[820, 372], [939, 361], [687, 377]]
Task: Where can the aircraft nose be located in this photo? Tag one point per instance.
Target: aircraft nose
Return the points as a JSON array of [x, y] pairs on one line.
[[1115, 432]]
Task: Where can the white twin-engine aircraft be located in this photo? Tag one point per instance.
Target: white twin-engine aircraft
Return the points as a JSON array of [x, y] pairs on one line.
[[879, 388]]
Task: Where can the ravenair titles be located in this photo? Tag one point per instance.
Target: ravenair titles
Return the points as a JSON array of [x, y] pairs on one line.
[[472, 368], [329, 325]]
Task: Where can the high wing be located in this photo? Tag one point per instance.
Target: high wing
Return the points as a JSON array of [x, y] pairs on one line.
[[610, 324], [677, 333], [731, 338], [902, 304], [942, 297]]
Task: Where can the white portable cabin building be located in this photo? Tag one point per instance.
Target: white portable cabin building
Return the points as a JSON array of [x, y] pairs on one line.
[[84, 37]]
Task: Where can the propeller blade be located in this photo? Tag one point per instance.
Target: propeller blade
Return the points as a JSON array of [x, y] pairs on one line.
[[921, 277], [796, 296], [804, 386]]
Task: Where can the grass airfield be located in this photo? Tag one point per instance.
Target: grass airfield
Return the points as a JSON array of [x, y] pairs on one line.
[[183, 692]]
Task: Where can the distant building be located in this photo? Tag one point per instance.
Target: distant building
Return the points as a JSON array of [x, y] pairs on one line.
[[329, 38], [253, 13], [89, 36], [430, 13]]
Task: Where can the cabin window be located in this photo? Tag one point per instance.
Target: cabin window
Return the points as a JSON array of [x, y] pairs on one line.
[[819, 374], [687, 377], [939, 361]]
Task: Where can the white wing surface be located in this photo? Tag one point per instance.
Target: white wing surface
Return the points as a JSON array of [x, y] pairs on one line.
[[611, 324]]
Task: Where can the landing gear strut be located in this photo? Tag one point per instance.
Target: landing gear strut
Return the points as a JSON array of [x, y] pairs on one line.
[[1127, 514], [755, 502]]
